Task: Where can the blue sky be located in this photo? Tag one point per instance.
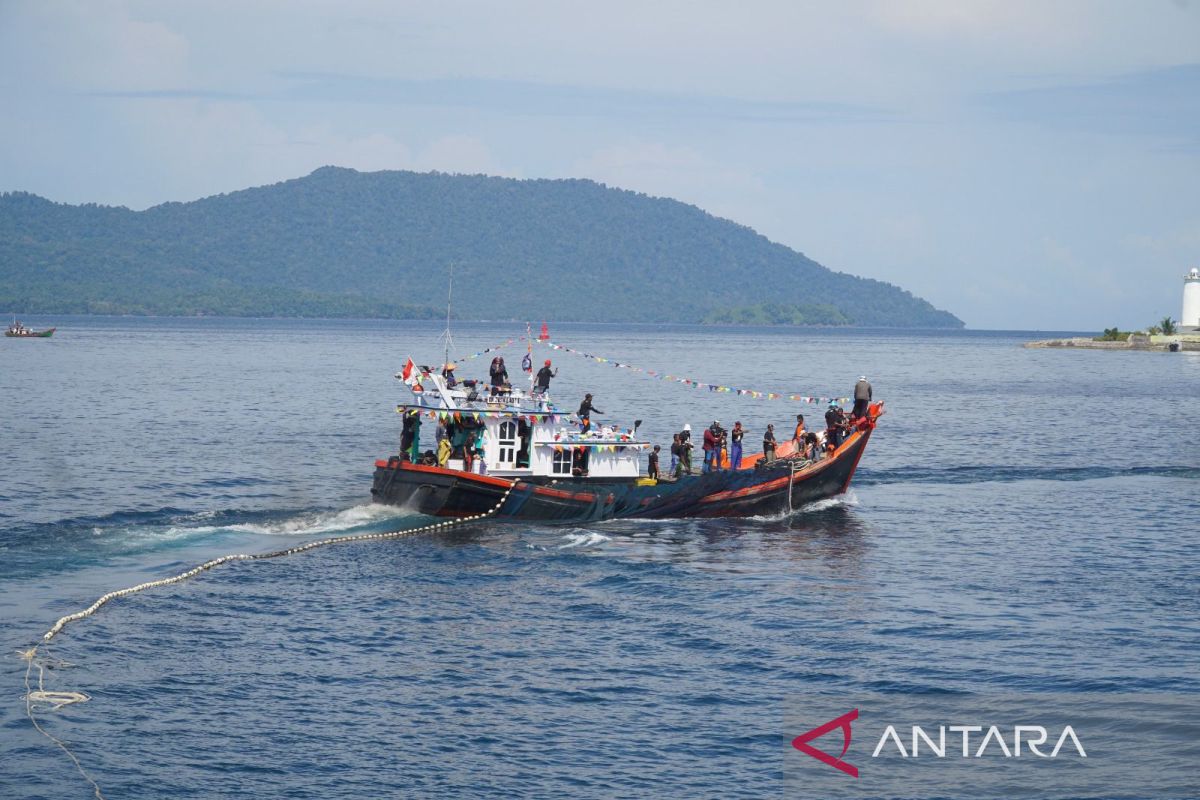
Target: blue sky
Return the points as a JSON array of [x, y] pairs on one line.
[[1022, 164]]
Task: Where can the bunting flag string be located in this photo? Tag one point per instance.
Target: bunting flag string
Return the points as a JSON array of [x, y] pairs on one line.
[[694, 384], [448, 415], [689, 382], [493, 349]]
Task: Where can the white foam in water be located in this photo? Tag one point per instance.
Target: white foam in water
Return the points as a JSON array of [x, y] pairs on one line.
[[846, 500], [306, 524], [586, 539], [325, 522]]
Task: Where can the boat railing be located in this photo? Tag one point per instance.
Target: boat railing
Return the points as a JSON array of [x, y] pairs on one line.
[[431, 391]]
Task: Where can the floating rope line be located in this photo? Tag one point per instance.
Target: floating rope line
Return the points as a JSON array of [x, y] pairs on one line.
[[57, 700]]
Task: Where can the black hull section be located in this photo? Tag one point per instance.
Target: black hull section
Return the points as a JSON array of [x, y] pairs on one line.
[[744, 493]]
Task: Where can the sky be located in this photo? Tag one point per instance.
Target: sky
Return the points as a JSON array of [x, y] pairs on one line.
[[1024, 165]]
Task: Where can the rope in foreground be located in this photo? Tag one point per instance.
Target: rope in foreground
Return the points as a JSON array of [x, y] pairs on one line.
[[57, 700]]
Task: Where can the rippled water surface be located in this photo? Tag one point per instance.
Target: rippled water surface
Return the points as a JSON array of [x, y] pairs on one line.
[[1022, 520]]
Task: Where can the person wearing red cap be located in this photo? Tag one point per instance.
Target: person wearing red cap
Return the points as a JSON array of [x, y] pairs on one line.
[[543, 378]]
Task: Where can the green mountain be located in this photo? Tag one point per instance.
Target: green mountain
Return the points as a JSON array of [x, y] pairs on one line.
[[345, 243]]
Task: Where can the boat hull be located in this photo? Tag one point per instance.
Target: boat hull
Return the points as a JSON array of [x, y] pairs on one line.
[[755, 491], [31, 334]]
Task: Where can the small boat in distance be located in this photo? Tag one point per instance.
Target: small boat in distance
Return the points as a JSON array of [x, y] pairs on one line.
[[19, 331]]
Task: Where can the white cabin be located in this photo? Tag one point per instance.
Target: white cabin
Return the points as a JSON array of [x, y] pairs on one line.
[[523, 434]]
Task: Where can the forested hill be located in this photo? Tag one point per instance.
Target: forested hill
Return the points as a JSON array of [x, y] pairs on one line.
[[345, 243]]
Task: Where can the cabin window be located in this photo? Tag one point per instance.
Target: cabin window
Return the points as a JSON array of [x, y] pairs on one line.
[[507, 442], [562, 461]]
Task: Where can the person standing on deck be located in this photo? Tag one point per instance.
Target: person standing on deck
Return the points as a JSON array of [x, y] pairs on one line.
[[798, 436], [862, 397], [735, 446], [685, 448], [586, 409], [769, 444], [652, 464], [675, 447], [835, 425], [543, 378], [711, 446], [410, 436], [812, 446]]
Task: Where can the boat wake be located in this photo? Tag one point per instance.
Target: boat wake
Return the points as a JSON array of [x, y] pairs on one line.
[[370, 517], [71, 543], [583, 539], [847, 500]]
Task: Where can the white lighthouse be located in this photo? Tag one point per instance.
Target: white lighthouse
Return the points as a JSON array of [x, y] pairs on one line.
[[1190, 318]]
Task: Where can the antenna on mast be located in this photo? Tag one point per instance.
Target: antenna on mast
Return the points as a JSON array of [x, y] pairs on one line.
[[449, 340]]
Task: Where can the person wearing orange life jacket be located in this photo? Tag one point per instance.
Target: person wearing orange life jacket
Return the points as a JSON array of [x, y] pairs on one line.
[[798, 435]]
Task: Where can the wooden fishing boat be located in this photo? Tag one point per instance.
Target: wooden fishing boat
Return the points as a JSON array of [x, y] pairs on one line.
[[515, 456], [19, 331]]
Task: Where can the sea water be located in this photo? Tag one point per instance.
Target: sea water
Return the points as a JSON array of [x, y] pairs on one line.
[[1023, 520]]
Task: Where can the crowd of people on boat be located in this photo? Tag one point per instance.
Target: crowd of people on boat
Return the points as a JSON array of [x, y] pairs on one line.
[[721, 448]]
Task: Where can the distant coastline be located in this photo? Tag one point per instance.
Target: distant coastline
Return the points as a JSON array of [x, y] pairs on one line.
[[341, 243], [1155, 343]]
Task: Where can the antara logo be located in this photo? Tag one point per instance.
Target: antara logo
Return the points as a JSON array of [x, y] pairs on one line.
[[1035, 735], [994, 742], [801, 742]]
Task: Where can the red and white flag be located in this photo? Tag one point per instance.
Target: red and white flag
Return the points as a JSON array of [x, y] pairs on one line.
[[409, 371]]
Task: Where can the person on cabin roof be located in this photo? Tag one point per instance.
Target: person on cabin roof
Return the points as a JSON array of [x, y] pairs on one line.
[[769, 444], [735, 445], [586, 409], [862, 397], [652, 464], [543, 378], [498, 373], [448, 374]]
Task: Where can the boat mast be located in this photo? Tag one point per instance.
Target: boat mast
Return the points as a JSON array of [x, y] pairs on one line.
[[449, 340]]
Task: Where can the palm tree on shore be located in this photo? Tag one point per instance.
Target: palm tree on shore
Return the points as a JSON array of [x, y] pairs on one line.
[[1168, 326]]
